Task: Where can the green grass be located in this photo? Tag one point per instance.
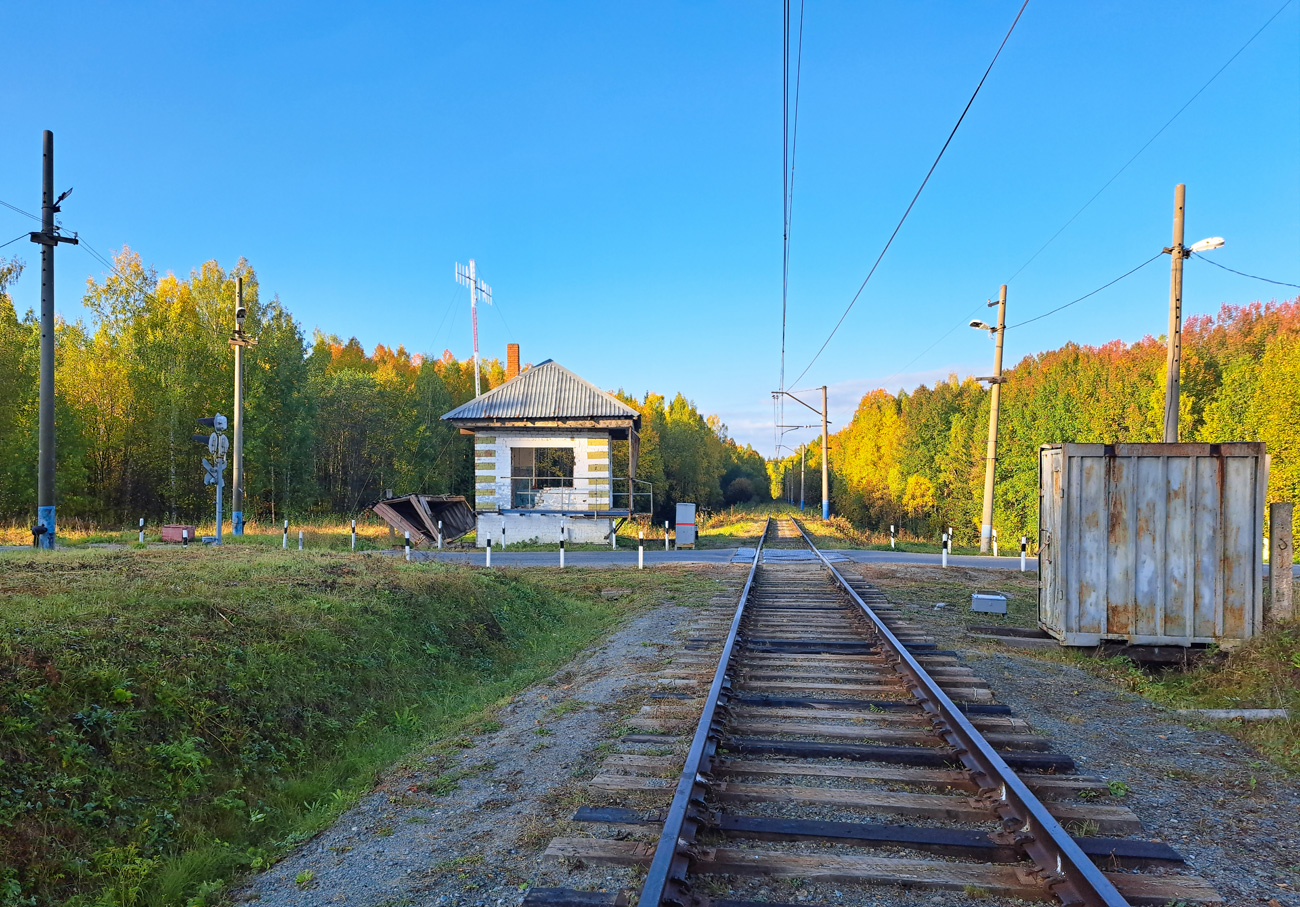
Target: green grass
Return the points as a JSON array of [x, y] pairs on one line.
[[332, 534], [1262, 674], [170, 720]]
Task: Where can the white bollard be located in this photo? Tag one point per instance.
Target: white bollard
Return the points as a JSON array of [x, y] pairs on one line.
[[354, 535], [995, 543], [561, 547], [284, 543], [1023, 543], [640, 551], [440, 535], [891, 536], [141, 530], [503, 534], [185, 538], [665, 535], [407, 537], [488, 561], [613, 537], [299, 539], [945, 550]]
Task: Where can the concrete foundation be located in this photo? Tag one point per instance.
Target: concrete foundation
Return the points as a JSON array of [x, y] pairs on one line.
[[541, 528]]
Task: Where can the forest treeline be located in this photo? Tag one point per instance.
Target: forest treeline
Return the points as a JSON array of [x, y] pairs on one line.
[[917, 460], [328, 426]]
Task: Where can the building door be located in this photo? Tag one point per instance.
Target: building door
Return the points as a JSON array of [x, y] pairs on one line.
[[523, 469]]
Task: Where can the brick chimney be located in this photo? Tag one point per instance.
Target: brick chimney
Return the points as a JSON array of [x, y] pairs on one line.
[[512, 360]]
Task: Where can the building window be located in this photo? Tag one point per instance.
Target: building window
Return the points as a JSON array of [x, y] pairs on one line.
[[536, 476]]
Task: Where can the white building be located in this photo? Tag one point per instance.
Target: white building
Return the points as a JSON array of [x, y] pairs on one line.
[[542, 456]]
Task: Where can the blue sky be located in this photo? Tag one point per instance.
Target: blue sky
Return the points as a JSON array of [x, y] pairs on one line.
[[615, 169]]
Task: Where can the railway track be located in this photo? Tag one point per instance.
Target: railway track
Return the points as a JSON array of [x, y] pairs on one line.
[[826, 712]]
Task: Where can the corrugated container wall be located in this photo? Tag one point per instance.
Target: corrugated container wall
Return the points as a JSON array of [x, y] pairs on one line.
[[1151, 544]]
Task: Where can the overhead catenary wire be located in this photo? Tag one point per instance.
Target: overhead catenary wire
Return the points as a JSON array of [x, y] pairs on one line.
[[1086, 295], [789, 146], [1210, 261], [1148, 142], [1103, 188], [34, 217], [919, 190], [14, 240]]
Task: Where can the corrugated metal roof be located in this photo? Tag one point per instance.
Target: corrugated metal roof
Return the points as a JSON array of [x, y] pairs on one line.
[[546, 391]]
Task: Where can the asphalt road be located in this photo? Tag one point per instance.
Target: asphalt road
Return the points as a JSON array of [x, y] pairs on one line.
[[626, 557]]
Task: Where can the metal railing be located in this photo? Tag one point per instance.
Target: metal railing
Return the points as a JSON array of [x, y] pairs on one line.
[[551, 494]]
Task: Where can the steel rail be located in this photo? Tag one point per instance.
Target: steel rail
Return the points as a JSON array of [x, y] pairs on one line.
[[1061, 865], [670, 863]]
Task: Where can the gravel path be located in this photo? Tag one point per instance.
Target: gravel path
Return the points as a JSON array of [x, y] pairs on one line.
[[467, 826]]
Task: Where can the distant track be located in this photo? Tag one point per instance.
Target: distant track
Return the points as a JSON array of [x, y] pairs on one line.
[[825, 699]]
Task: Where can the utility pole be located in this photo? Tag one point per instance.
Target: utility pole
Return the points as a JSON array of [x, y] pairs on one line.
[[826, 468], [826, 475], [239, 340], [48, 238], [804, 463], [1174, 351], [466, 277], [991, 455]]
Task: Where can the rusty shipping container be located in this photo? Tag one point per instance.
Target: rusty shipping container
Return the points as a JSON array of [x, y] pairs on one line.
[[1151, 544]]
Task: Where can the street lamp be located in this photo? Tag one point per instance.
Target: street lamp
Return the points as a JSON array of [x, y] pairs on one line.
[[1174, 351]]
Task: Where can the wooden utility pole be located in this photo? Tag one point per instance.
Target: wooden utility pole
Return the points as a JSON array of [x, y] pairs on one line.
[[826, 468], [991, 454], [1281, 555], [48, 238], [1174, 350]]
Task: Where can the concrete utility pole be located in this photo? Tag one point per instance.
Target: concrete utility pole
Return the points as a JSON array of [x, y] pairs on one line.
[[826, 474], [826, 468], [239, 340], [48, 238], [804, 463], [1174, 351], [991, 455], [1281, 554]]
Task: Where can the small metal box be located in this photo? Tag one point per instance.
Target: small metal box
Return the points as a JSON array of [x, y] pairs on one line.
[[988, 602], [685, 525]]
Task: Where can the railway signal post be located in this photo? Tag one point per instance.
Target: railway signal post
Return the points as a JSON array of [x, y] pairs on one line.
[[218, 445], [239, 340]]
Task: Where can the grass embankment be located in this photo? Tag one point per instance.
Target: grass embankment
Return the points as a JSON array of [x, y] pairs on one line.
[[330, 534], [1264, 673], [172, 719]]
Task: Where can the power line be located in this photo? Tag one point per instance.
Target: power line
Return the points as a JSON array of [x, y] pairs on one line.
[[95, 255], [21, 211], [1158, 132], [1107, 185], [945, 336], [14, 240], [1280, 283], [1086, 295], [910, 205]]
